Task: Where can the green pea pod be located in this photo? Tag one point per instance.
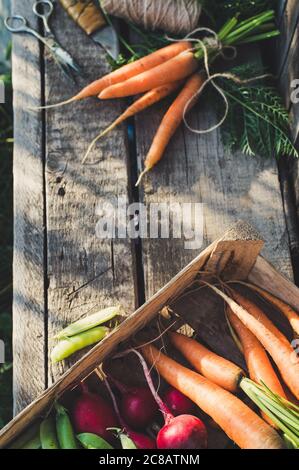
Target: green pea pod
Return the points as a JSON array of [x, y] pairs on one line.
[[30, 434], [64, 429], [125, 441], [69, 346], [48, 434], [92, 441], [89, 322], [33, 443]]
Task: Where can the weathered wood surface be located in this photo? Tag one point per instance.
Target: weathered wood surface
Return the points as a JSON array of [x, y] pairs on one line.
[[212, 331], [84, 272], [28, 263], [287, 71], [288, 24], [61, 269], [59, 199], [4, 34], [199, 169]]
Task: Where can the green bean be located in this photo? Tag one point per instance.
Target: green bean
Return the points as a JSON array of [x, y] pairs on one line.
[[48, 435], [92, 441], [126, 442], [28, 435], [33, 443], [89, 322], [68, 346], [64, 429]]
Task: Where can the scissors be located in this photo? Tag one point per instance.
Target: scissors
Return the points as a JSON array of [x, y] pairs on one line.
[[44, 9]]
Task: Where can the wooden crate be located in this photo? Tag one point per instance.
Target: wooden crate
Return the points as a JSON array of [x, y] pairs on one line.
[[235, 257]]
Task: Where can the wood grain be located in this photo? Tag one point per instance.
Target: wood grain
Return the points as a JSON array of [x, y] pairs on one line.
[[288, 25], [84, 272], [138, 320], [287, 69], [71, 272], [141, 318], [264, 275], [199, 169], [28, 262], [290, 70]]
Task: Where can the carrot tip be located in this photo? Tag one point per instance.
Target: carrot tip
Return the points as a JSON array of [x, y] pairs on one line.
[[50, 106], [98, 137], [88, 151], [141, 177]]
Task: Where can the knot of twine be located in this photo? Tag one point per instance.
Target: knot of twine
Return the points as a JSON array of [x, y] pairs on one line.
[[213, 43], [174, 16]]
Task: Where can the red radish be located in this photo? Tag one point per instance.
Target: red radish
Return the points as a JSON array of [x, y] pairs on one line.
[[93, 414], [180, 432], [137, 405], [140, 440], [183, 432], [177, 403]]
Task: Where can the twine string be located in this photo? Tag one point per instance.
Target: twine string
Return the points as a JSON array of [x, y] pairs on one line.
[[175, 16], [215, 44]]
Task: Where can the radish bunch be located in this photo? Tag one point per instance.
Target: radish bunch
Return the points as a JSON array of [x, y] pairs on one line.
[[179, 432]]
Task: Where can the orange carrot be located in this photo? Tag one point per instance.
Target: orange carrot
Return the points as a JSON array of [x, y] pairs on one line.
[[259, 366], [171, 122], [215, 368], [147, 100], [254, 310], [280, 350], [129, 70], [177, 68], [283, 307], [236, 419]]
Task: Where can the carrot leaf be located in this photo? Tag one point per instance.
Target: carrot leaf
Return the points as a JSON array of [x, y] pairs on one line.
[[257, 121], [282, 412]]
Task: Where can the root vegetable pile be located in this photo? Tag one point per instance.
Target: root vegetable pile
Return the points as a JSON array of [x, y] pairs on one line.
[[162, 72], [136, 417]]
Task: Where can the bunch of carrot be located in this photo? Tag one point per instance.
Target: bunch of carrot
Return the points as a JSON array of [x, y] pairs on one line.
[[165, 71], [216, 379]]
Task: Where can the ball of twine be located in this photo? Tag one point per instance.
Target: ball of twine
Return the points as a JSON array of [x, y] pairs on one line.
[[174, 16]]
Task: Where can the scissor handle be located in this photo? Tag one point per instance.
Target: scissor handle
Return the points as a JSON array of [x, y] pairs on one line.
[[43, 9], [16, 23]]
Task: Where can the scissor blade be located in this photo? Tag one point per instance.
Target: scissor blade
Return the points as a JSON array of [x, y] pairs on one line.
[[64, 57], [107, 38]]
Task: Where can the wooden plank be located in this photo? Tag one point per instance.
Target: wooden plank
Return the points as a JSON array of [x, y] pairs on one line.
[[294, 114], [199, 169], [288, 25], [290, 72], [236, 253], [28, 264], [84, 272], [289, 169], [4, 34], [102, 350], [265, 275], [281, 4]]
